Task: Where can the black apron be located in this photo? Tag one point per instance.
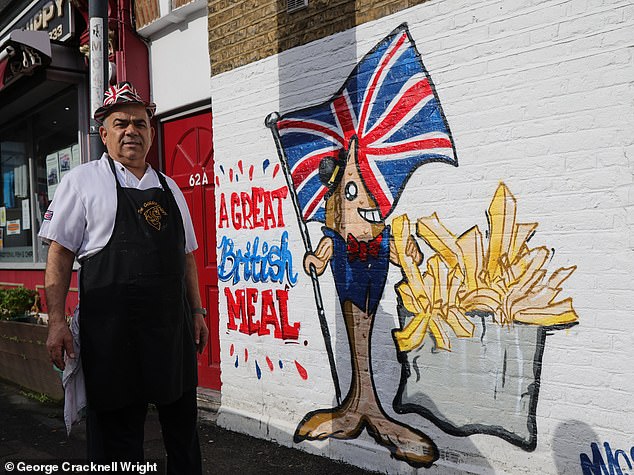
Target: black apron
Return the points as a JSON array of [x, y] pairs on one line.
[[136, 330]]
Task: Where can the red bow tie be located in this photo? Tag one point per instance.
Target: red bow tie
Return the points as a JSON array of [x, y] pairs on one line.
[[362, 249]]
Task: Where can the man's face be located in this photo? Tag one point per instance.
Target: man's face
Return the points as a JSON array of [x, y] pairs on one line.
[[127, 134]]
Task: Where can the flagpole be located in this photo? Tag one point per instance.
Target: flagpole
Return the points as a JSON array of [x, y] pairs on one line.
[[271, 122]]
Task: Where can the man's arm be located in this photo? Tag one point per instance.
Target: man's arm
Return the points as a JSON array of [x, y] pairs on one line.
[[201, 333], [59, 266]]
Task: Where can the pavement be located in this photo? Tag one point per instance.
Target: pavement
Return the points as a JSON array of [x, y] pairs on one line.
[[33, 432]]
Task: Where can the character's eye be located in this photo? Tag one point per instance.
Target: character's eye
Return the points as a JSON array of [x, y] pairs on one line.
[[351, 190]]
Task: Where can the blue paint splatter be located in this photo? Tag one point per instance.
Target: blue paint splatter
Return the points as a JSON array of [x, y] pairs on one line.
[[281, 364], [257, 370], [265, 164], [236, 361], [222, 169]]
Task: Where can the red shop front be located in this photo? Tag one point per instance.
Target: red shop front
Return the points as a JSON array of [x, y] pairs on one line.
[[44, 117]]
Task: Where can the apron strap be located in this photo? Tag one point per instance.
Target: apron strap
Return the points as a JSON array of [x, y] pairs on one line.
[[163, 182], [114, 172]]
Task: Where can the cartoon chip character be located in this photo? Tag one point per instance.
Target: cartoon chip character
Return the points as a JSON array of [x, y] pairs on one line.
[[347, 161], [359, 248]]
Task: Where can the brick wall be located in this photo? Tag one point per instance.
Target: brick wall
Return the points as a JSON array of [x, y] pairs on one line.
[[145, 12], [241, 32], [538, 97]]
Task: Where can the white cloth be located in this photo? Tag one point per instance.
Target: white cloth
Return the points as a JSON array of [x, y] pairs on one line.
[[82, 214], [73, 379]]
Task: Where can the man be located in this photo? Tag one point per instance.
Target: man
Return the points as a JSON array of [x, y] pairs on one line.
[[141, 319]]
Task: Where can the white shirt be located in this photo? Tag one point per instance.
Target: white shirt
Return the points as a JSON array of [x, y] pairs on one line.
[[82, 214]]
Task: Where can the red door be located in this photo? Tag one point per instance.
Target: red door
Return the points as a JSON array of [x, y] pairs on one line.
[[188, 152]]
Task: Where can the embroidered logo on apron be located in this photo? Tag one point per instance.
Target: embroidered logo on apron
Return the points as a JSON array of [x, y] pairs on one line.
[[153, 213]]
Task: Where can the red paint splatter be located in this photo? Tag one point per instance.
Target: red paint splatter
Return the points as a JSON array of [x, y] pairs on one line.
[[276, 170], [246, 355], [251, 172], [231, 350], [217, 181], [301, 370], [240, 166], [231, 175], [270, 363]]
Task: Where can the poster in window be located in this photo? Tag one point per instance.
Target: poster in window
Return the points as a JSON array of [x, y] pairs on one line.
[[75, 157], [13, 227], [21, 181], [26, 214], [52, 174], [1, 238], [3, 216], [65, 161]]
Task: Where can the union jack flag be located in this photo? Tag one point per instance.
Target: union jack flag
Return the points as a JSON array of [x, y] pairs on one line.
[[390, 105]]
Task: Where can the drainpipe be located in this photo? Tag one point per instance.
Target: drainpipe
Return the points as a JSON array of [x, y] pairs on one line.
[[98, 24]]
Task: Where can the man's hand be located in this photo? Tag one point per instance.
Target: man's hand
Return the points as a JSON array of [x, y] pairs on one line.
[[201, 332], [59, 267], [59, 341]]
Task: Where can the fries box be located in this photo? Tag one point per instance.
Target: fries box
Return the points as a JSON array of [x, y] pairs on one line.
[[486, 384]]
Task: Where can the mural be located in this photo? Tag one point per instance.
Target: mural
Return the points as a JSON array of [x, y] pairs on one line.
[[347, 161], [615, 462], [261, 271], [475, 311], [493, 307]]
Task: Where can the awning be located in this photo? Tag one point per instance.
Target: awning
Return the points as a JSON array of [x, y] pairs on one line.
[[21, 53]]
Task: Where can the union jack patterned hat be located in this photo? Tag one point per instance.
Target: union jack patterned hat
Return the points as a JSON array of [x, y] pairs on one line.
[[122, 93]]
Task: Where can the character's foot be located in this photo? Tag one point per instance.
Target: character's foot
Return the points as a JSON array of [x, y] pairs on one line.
[[405, 443], [340, 423]]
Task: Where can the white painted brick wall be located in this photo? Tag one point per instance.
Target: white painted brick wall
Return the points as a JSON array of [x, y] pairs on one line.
[[539, 95]]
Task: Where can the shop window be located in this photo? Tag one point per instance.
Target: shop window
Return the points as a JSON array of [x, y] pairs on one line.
[[15, 213], [34, 155]]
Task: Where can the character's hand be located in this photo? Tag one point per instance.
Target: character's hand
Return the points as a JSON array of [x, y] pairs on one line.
[[311, 259], [412, 250], [201, 332], [59, 341], [319, 259]]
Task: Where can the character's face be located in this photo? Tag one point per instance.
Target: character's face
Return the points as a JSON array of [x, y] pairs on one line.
[[351, 209], [127, 134]]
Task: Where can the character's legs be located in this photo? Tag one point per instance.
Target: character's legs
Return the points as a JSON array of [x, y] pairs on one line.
[[346, 420], [116, 435], [362, 408], [340, 423], [403, 442], [180, 434]]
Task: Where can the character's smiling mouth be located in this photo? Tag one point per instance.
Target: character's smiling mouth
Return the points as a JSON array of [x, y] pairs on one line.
[[370, 215]]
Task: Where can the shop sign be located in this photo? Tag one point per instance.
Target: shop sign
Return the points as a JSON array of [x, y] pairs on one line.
[[54, 16]]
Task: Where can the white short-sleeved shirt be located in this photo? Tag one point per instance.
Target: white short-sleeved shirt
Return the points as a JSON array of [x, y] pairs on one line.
[[82, 214]]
